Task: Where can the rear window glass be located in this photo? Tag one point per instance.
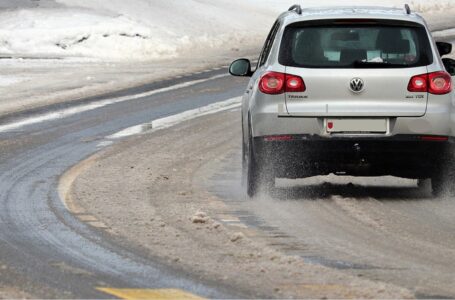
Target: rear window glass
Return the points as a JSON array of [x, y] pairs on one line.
[[355, 46]]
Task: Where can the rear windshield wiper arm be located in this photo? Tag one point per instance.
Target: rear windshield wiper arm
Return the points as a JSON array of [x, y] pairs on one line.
[[375, 64]]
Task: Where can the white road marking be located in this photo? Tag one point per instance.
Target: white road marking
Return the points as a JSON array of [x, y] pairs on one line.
[[104, 144], [64, 113], [178, 118]]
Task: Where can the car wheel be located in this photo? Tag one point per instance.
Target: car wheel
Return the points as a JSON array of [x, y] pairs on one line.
[[437, 185], [442, 183], [252, 175], [244, 164], [257, 176]]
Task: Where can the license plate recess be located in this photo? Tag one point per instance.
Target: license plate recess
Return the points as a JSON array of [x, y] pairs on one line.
[[356, 125]]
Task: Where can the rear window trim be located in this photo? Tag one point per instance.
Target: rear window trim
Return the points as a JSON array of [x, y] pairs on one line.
[[358, 23]]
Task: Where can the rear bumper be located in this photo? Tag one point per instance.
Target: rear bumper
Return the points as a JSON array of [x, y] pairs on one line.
[[439, 119], [406, 156]]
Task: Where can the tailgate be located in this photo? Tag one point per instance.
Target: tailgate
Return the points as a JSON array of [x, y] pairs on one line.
[[384, 93]]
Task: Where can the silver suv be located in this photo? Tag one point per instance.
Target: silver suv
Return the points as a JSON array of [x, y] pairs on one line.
[[359, 91]]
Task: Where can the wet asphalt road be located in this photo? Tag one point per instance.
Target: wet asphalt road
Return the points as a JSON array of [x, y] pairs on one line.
[[51, 254]]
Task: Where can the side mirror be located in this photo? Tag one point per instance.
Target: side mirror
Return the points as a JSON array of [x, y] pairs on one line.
[[444, 48], [450, 65], [241, 67]]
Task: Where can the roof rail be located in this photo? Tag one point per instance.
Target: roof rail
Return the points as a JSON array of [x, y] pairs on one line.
[[297, 8], [407, 9]]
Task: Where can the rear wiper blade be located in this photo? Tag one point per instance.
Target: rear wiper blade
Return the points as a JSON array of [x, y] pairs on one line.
[[375, 64]]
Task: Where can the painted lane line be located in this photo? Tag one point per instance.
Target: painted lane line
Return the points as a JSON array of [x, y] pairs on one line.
[[64, 113], [149, 294], [173, 120], [104, 144]]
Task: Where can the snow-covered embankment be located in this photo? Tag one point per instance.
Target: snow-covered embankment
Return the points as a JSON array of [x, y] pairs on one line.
[[144, 30]]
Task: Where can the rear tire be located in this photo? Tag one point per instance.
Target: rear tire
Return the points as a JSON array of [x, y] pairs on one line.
[[244, 165], [443, 185], [256, 176], [437, 185], [252, 173], [443, 181]]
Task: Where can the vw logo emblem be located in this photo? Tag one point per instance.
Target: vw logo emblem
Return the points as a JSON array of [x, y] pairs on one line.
[[357, 85]]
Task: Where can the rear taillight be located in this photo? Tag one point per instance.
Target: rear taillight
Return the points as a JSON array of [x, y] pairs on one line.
[[274, 83], [440, 83], [294, 84], [437, 83], [418, 83]]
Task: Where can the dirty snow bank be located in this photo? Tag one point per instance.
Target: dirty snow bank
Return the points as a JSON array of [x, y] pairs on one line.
[[6, 81], [149, 30], [137, 30], [61, 33]]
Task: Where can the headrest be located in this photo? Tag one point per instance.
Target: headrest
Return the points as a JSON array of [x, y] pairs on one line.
[[391, 41], [352, 55]]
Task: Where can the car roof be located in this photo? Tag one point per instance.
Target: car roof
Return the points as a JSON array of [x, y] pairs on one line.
[[351, 12]]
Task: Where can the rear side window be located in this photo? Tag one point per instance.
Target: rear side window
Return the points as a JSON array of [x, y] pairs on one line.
[[268, 44], [340, 44]]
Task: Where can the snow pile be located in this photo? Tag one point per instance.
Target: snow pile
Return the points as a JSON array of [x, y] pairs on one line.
[[9, 80], [132, 30], [60, 33], [148, 29]]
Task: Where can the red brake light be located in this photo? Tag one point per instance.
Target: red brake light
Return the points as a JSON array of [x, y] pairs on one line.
[[437, 83], [440, 83], [274, 83]]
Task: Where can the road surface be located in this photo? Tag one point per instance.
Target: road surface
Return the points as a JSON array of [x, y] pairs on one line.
[[383, 230], [46, 251]]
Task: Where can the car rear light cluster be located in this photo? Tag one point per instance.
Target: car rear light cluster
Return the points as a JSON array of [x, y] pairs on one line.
[[274, 83], [437, 83]]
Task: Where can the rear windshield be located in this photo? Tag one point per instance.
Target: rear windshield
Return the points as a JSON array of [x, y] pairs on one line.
[[340, 44]]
